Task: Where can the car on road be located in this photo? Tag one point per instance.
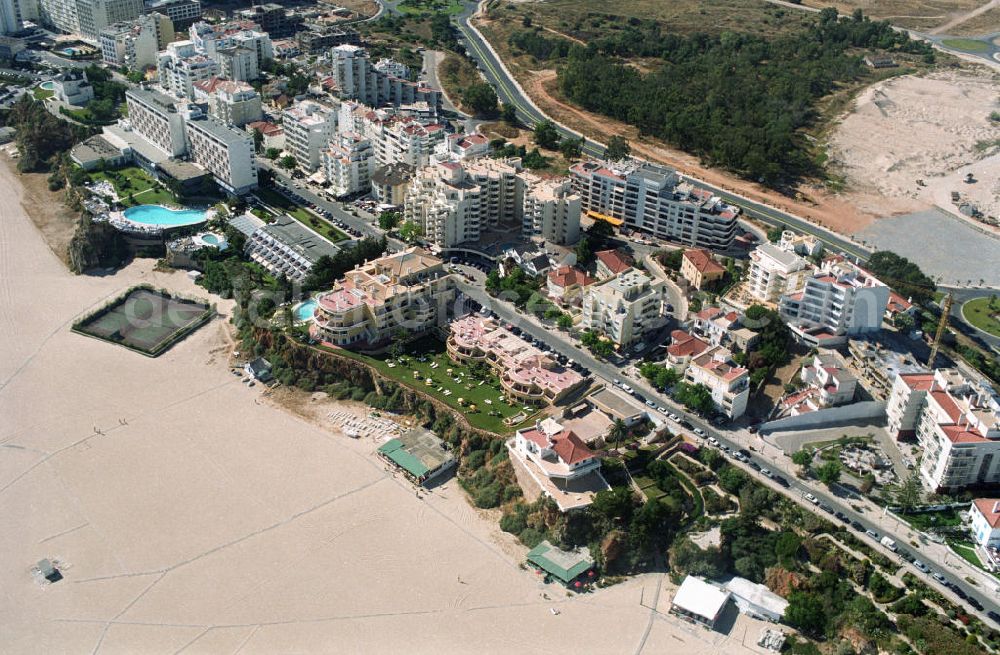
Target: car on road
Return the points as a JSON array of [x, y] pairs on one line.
[[713, 441], [767, 473], [627, 389], [616, 382], [662, 410], [920, 566], [651, 403], [994, 617], [812, 499], [842, 517], [975, 603], [699, 432], [780, 479], [872, 534], [857, 526], [959, 591], [674, 417], [754, 465], [940, 578]]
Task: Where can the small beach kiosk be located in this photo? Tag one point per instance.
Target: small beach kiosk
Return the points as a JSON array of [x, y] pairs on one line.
[[420, 455], [572, 568]]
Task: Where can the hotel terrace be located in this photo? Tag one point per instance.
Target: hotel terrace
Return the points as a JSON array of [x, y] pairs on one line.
[[559, 462], [406, 292], [526, 373]]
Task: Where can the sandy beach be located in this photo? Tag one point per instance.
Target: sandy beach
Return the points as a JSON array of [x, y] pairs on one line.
[[191, 514]]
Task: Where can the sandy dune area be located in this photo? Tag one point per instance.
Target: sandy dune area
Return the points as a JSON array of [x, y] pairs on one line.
[[193, 515], [910, 140]]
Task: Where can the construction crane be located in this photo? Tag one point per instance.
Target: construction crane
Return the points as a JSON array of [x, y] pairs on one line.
[[945, 310]]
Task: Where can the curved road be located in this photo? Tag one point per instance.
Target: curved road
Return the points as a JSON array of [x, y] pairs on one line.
[[510, 92]]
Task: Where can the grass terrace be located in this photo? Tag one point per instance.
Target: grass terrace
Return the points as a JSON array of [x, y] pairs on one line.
[[422, 7], [42, 94], [301, 214], [145, 320], [429, 359], [966, 551], [135, 186], [983, 313], [948, 518]]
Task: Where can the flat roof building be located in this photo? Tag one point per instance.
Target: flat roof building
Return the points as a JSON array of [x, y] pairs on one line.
[[288, 247], [420, 454], [571, 568], [699, 601]]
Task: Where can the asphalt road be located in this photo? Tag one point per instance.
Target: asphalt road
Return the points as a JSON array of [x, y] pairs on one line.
[[510, 93], [870, 519], [958, 322]]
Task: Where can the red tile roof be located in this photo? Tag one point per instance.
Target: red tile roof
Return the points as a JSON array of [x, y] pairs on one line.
[[918, 381], [959, 434], [986, 506], [947, 404], [703, 262], [898, 303], [567, 446], [565, 276], [685, 345], [614, 260]]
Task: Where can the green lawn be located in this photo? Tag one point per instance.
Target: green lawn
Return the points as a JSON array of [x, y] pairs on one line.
[[967, 552], [979, 314], [130, 179], [927, 520], [432, 351], [42, 94], [301, 214], [419, 7], [968, 45]]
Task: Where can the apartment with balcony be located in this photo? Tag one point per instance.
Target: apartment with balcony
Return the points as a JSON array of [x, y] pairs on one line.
[[309, 126], [551, 211], [225, 152], [396, 138], [838, 300], [182, 13], [135, 44], [654, 199], [349, 163], [233, 103], [527, 374], [955, 419], [728, 382], [396, 296], [775, 272], [624, 308], [211, 39], [180, 66], [356, 78]]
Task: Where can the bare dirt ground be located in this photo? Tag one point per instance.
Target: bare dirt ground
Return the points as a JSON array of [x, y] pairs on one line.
[[914, 14], [816, 204], [189, 513], [986, 22], [53, 219], [908, 142]]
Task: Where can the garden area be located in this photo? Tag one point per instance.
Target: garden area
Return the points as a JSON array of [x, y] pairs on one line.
[[421, 7], [135, 186], [470, 390]]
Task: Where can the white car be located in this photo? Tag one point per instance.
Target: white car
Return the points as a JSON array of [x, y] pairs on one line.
[[617, 383], [662, 410], [713, 441], [812, 499], [699, 432], [674, 417], [627, 389], [767, 473]]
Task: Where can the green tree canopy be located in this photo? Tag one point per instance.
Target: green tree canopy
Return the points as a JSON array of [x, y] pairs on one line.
[[481, 99]]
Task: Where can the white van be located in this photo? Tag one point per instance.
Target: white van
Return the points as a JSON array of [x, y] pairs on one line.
[[889, 543]]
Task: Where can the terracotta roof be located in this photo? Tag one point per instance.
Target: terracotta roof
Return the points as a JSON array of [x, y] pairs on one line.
[[898, 303], [703, 262], [959, 434], [988, 507], [918, 381], [947, 404], [614, 260], [565, 276], [685, 345], [567, 446]]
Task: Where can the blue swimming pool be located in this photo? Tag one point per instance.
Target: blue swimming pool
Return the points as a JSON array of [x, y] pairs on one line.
[[305, 310], [48, 86], [159, 215]]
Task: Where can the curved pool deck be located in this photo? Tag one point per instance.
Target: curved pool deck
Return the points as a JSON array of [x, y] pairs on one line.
[[48, 86], [160, 216], [304, 311]]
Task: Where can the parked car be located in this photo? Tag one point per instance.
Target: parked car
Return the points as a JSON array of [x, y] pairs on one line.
[[651, 403], [767, 473], [662, 410], [872, 534], [857, 526], [920, 566], [699, 432], [780, 479], [975, 603], [812, 499], [713, 441], [994, 617], [940, 578]]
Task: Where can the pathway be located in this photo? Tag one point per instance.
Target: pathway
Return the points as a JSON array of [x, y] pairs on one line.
[[969, 15]]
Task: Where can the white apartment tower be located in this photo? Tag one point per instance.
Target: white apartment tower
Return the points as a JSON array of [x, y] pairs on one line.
[[775, 272], [227, 153], [180, 66], [551, 211], [624, 307], [156, 118], [349, 164], [309, 126]]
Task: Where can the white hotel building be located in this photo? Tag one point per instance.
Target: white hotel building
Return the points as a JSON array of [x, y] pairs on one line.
[[157, 119], [349, 164], [551, 211], [775, 272], [654, 199], [225, 152], [956, 422]]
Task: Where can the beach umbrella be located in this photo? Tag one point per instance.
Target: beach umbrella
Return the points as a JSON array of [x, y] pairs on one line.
[[590, 573], [577, 584]]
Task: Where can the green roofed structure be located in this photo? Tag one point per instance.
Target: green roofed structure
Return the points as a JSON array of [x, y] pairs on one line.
[[572, 568], [420, 454]]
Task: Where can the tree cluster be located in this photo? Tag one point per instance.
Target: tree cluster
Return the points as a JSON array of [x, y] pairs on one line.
[[40, 135], [902, 275], [328, 269]]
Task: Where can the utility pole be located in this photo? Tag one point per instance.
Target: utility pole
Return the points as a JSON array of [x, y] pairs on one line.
[[945, 310]]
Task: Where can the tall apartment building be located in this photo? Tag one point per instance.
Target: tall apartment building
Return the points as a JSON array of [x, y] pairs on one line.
[[407, 293], [316, 39], [453, 202], [274, 19], [210, 39], [226, 152], [309, 126], [180, 66], [654, 199], [157, 119], [624, 308], [182, 13], [10, 16], [238, 63], [286, 247], [838, 300], [396, 138], [87, 17], [956, 422], [136, 44], [349, 164], [728, 382], [775, 272], [233, 103], [551, 211], [356, 78]]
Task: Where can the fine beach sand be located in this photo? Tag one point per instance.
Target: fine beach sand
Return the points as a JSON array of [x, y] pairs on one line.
[[200, 517]]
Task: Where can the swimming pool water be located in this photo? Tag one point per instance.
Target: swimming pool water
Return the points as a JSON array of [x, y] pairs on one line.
[[305, 310], [48, 86], [210, 239], [158, 215]]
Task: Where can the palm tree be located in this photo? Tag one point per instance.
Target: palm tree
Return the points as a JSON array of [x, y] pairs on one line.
[[618, 432]]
